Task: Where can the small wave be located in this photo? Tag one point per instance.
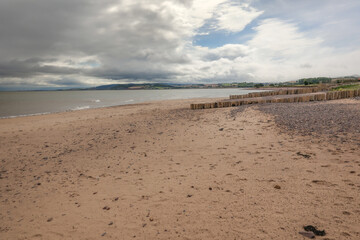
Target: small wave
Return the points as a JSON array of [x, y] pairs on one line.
[[97, 100], [130, 100], [80, 108], [25, 115]]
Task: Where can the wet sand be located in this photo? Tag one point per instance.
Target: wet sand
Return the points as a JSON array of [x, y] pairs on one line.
[[162, 171]]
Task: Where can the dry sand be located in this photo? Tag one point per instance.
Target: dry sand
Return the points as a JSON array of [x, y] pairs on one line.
[[162, 171]]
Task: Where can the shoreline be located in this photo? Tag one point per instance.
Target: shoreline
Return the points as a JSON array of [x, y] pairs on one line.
[[102, 99], [114, 106], [162, 171]]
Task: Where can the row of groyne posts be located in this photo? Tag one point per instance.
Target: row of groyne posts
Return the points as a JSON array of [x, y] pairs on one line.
[[279, 96]]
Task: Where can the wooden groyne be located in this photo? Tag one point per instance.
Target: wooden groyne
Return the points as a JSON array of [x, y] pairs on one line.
[[317, 96], [342, 94], [289, 91]]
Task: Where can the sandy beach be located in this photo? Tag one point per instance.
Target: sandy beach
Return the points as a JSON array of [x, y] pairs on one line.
[[162, 171]]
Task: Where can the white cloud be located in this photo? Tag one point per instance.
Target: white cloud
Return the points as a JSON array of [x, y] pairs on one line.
[[277, 52], [202, 10], [235, 17], [91, 42], [279, 43]]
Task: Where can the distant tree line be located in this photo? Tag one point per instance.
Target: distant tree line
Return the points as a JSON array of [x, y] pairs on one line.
[[308, 81]]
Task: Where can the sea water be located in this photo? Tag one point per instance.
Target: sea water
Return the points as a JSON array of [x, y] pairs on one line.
[[15, 104]]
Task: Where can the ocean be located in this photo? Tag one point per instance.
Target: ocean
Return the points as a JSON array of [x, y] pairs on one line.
[[16, 104]]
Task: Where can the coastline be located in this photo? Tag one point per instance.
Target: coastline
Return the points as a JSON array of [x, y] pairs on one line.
[[158, 170], [188, 100], [18, 104]]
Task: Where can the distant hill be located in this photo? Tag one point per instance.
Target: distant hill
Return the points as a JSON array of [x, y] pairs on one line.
[[158, 86], [133, 86]]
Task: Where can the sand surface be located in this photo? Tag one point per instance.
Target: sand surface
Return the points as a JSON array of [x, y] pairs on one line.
[[162, 171]]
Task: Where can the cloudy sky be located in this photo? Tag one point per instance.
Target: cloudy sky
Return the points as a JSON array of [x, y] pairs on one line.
[[67, 43]]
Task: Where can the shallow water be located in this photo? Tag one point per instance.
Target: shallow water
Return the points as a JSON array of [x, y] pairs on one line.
[[13, 104]]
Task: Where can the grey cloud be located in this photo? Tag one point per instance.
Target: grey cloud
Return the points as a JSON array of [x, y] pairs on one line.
[[39, 27], [64, 82], [36, 84], [136, 38], [32, 67], [138, 75], [306, 65], [66, 42]]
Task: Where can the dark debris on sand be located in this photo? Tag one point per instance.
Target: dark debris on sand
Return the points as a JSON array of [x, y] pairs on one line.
[[338, 121]]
